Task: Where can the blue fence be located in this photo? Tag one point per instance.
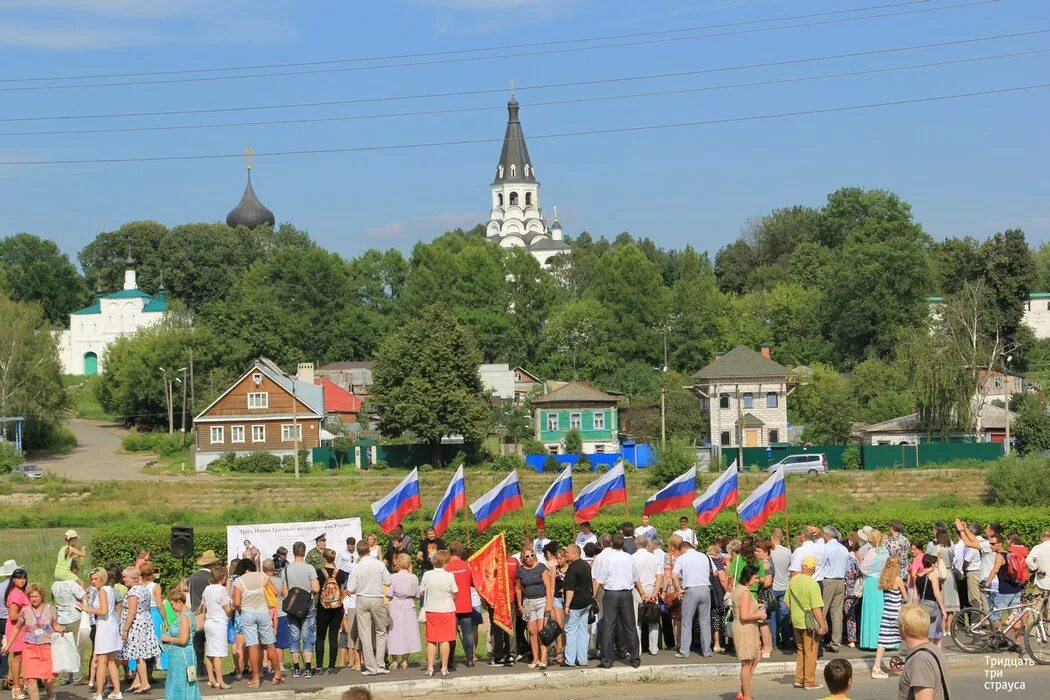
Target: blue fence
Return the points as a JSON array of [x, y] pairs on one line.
[[640, 455]]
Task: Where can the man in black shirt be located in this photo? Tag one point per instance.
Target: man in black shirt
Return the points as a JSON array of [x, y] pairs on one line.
[[579, 594], [425, 549], [200, 580], [400, 543]]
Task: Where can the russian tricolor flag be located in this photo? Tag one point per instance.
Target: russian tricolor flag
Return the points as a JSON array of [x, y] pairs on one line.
[[390, 510], [767, 499], [609, 488], [558, 496], [677, 494], [454, 500], [722, 493], [502, 499]]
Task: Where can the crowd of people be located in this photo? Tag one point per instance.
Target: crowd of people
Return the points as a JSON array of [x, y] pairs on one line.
[[608, 598]]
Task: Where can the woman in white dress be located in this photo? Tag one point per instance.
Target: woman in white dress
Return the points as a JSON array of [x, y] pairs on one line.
[[217, 610], [107, 632]]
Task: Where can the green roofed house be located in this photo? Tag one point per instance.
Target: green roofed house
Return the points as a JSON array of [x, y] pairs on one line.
[[745, 392], [594, 413], [93, 328]]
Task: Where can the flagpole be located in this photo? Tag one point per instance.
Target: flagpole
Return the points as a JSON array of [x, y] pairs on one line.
[[466, 521]]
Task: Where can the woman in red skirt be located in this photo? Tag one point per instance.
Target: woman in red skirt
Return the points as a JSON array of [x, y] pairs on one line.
[[40, 622], [438, 589]]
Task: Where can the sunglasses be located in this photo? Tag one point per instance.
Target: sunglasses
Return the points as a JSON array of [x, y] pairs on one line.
[[528, 556]]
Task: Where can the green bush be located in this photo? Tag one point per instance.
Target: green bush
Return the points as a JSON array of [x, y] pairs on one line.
[[1020, 482], [257, 463], [53, 438], [9, 457], [583, 464], [572, 443], [505, 464], [120, 544], [851, 457], [165, 444], [551, 464], [671, 462], [532, 446]]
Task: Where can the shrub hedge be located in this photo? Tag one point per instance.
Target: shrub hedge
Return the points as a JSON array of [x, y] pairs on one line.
[[120, 543], [164, 444]]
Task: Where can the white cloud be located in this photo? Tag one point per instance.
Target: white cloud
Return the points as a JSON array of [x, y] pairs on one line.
[[411, 230]]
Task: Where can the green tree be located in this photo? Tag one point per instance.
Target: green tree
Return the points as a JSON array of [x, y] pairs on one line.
[[733, 266], [33, 269], [203, 262], [132, 383], [576, 340], [881, 389], [1031, 427], [1041, 263], [825, 406], [532, 297], [426, 381], [30, 371], [790, 316], [943, 388], [853, 210], [1009, 275], [954, 262], [511, 421], [631, 288], [572, 443], [103, 259]]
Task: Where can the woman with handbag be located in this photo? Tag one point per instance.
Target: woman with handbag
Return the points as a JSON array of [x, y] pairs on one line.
[[217, 609], [928, 594], [854, 585], [894, 593], [720, 586], [103, 607], [748, 616], [763, 591], [181, 682], [871, 606], [554, 579], [532, 591]]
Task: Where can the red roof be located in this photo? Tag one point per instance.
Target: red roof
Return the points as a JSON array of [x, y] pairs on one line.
[[337, 399]]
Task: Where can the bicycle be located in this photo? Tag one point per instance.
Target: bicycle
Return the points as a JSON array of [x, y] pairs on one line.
[[974, 630]]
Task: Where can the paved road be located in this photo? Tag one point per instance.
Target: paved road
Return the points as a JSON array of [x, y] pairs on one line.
[[966, 684], [98, 456]]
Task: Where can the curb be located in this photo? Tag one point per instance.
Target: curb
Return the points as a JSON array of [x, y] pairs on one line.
[[555, 678]]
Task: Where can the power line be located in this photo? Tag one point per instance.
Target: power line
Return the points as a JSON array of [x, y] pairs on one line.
[[565, 134], [526, 88], [448, 52], [548, 52], [578, 100]]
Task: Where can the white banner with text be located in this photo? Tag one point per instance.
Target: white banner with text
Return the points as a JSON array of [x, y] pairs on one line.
[[268, 537]]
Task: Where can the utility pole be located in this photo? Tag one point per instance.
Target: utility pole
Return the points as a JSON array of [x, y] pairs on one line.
[[1006, 380], [739, 432], [193, 402], [184, 389], [295, 429], [167, 399], [663, 397]]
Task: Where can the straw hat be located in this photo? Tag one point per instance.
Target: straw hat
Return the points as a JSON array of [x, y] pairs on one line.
[[207, 558]]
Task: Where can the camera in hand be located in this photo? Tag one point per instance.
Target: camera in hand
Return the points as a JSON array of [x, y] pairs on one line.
[[280, 559]]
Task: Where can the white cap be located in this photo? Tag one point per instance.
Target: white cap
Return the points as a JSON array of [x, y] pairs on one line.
[[70, 534]]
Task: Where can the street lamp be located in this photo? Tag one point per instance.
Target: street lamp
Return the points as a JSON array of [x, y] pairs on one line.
[[1006, 368]]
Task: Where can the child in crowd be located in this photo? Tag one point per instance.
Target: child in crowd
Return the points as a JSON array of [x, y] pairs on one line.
[[838, 677]]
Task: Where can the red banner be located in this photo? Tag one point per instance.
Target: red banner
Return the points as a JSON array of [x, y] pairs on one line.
[[488, 568]]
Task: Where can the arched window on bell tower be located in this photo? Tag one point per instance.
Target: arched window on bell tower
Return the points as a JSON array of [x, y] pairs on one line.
[[513, 198], [499, 198], [528, 199], [513, 170]]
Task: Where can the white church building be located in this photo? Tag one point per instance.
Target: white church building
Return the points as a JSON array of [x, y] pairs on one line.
[[516, 220], [93, 328]]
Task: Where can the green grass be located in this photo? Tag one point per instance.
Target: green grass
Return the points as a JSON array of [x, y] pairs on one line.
[[82, 397]]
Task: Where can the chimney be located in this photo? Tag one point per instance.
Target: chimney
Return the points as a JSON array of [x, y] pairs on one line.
[[305, 372], [765, 351]]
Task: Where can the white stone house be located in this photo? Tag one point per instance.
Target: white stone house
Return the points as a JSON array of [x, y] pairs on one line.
[[745, 393], [93, 328]]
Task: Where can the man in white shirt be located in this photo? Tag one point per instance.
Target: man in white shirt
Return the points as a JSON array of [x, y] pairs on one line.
[[346, 558], [1038, 560], [540, 542], [833, 588], [367, 581], [692, 575], [650, 576], [645, 528], [813, 546], [685, 532], [971, 537], [780, 622], [66, 594], [616, 573], [585, 535]]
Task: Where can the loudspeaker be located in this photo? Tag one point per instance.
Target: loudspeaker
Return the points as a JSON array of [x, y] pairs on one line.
[[181, 541]]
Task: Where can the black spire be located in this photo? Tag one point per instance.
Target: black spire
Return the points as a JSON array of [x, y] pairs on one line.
[[249, 212], [514, 162]]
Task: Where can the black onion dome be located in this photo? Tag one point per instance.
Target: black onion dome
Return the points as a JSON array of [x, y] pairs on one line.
[[249, 212]]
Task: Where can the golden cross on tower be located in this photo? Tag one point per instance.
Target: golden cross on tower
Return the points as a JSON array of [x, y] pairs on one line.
[[248, 153], [512, 89]]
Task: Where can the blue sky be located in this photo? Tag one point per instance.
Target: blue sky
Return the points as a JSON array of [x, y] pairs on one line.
[[971, 166]]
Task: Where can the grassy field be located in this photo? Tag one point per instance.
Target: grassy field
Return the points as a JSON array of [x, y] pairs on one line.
[[82, 399], [214, 500]]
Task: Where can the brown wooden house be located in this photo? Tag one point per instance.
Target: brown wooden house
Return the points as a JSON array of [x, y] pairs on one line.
[[260, 412]]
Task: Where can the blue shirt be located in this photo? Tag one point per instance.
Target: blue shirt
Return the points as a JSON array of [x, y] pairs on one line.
[[836, 560], [3, 591]]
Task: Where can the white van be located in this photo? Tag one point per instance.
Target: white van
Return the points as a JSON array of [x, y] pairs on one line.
[[811, 463]]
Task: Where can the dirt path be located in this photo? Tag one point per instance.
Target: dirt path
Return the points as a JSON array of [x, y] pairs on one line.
[[97, 458]]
